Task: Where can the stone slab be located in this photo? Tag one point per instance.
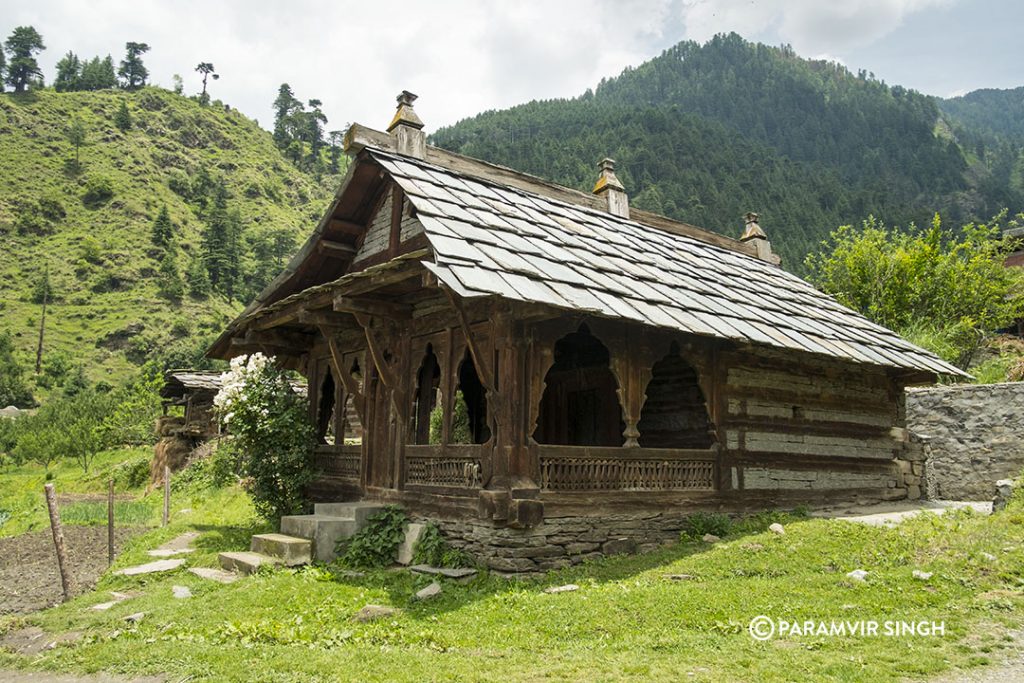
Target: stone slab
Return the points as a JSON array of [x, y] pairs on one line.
[[324, 530], [413, 532], [247, 562], [167, 552], [151, 567], [211, 574], [457, 573], [292, 550]]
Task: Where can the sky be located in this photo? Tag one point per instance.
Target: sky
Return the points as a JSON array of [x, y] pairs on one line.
[[464, 57]]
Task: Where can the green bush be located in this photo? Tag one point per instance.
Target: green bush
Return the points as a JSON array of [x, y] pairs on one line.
[[272, 437], [131, 474], [98, 190], [376, 544], [700, 523], [432, 549]]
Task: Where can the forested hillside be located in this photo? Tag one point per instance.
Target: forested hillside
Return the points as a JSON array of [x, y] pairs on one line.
[[704, 133], [144, 218]]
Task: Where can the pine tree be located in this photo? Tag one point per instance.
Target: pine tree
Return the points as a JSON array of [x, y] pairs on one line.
[[207, 70], [285, 105], [98, 74], [335, 137], [123, 118], [199, 286], [163, 230], [168, 280], [132, 70], [76, 134], [215, 239], [23, 44], [69, 73], [3, 65]]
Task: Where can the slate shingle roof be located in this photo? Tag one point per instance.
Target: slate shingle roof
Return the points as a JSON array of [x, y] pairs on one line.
[[492, 239]]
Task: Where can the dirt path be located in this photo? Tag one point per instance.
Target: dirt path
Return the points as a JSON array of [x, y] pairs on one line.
[[29, 580], [46, 677]]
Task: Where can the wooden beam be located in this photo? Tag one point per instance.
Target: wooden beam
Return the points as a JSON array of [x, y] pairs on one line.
[[290, 312], [390, 273], [395, 238], [295, 340], [332, 248], [373, 307], [324, 319], [336, 225]]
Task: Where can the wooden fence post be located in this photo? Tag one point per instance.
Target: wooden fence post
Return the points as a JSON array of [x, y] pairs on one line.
[[67, 581], [167, 495], [110, 522]]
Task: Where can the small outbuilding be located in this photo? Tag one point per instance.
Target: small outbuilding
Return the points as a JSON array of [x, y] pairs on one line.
[[543, 372]]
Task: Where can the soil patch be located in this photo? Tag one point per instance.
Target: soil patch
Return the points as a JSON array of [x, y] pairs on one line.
[[28, 565]]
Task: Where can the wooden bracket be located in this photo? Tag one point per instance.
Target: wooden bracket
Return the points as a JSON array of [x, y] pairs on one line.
[[387, 371], [344, 376], [339, 249], [483, 367]]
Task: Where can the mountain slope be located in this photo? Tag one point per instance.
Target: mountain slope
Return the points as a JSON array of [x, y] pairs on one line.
[[106, 310], [707, 132]]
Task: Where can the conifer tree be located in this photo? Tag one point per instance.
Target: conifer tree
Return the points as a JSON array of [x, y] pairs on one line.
[[199, 286], [207, 70], [285, 106], [69, 71], [132, 70], [163, 230], [3, 66], [76, 134], [123, 118], [98, 74], [168, 279], [22, 45]]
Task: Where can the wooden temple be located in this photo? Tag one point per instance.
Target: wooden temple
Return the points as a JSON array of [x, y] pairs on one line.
[[500, 353]]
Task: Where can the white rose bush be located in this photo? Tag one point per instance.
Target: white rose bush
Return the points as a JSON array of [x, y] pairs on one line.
[[271, 435]]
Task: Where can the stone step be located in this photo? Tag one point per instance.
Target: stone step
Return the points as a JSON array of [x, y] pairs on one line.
[[291, 549], [355, 510], [247, 562], [323, 530]]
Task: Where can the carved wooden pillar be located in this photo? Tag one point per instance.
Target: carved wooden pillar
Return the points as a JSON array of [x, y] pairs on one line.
[[631, 362]]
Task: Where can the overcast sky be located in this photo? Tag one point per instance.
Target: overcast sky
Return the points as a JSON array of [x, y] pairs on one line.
[[466, 57]]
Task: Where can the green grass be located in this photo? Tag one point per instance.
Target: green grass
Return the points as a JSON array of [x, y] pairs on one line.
[[172, 137], [21, 492], [627, 621]]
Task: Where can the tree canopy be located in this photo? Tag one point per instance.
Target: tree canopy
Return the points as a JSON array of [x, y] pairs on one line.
[[944, 289], [22, 46], [132, 70]]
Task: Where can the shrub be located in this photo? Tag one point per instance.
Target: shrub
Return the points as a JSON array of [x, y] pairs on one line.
[[700, 523], [376, 544], [131, 474], [272, 437], [98, 190], [432, 549]]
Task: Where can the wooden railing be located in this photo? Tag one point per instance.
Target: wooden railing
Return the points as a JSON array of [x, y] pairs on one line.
[[456, 466], [341, 462], [591, 468]]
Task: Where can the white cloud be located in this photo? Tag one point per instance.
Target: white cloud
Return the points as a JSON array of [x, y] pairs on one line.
[[810, 26], [461, 57]]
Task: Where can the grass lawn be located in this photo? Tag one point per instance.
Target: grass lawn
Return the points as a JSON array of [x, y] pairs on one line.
[[627, 621]]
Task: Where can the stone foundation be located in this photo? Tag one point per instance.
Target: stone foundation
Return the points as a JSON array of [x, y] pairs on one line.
[[560, 541]]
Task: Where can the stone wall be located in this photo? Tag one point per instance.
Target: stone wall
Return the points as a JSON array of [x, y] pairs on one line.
[[975, 434], [559, 541]]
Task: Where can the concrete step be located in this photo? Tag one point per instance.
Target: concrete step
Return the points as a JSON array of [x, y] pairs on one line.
[[291, 549], [323, 530], [247, 562], [356, 510]]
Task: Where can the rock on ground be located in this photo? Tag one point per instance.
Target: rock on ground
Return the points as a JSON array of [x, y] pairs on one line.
[[374, 612], [151, 567], [430, 591]]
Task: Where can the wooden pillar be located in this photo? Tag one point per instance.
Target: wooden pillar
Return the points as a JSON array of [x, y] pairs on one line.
[[632, 358]]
